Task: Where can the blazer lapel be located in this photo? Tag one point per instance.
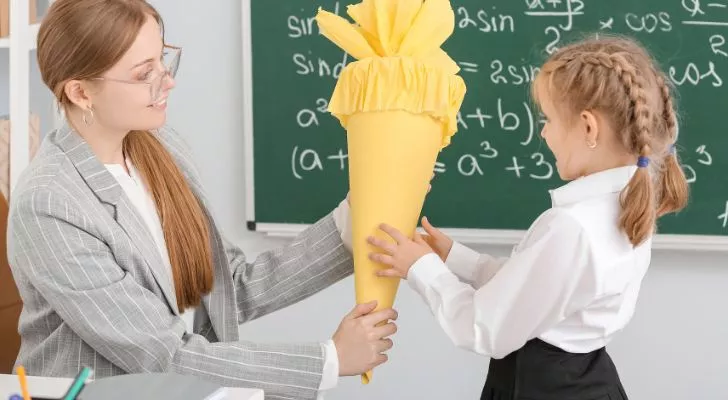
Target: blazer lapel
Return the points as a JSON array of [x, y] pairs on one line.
[[134, 226], [108, 190]]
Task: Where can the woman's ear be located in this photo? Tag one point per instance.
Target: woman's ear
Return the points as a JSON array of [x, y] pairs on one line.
[[590, 125], [78, 93]]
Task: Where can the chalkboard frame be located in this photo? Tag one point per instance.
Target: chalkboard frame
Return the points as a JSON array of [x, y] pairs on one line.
[[682, 242]]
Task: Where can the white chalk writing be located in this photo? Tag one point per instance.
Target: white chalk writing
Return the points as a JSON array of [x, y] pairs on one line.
[[542, 163], [302, 26], [492, 22], [308, 65], [604, 25], [724, 217], [468, 66], [341, 157], [648, 22], [717, 45], [692, 7], [468, 165], [488, 150], [692, 75], [516, 74], [570, 9], [515, 167], [690, 174], [707, 159], [306, 160], [551, 46], [307, 117]]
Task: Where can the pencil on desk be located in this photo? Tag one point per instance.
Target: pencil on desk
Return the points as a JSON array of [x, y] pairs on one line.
[[23, 383], [78, 384]]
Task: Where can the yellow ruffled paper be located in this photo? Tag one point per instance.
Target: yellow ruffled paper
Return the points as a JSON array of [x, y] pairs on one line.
[[398, 103], [400, 63], [398, 83]]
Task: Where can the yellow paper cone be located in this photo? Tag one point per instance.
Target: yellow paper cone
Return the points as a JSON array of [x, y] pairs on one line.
[[399, 106], [391, 158]]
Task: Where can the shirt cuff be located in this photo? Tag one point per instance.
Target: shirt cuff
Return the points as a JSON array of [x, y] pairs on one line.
[[425, 271], [463, 261], [330, 375], [342, 219]]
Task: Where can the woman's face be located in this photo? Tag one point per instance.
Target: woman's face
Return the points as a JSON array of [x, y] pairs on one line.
[[132, 95]]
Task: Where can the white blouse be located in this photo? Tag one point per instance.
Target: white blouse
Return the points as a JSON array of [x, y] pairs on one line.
[[573, 280], [142, 200]]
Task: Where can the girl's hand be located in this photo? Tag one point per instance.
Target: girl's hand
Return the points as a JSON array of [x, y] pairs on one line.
[[399, 256], [438, 241]]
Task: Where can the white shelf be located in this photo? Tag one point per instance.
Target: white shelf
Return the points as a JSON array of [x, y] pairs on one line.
[[32, 39], [21, 41], [34, 36]]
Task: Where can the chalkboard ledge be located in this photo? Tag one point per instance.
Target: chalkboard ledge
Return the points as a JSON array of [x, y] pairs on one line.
[[512, 237]]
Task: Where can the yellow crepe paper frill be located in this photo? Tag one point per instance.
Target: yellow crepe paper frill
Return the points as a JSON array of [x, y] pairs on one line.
[[400, 63]]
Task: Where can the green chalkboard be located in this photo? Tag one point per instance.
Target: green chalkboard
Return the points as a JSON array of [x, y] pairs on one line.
[[496, 174]]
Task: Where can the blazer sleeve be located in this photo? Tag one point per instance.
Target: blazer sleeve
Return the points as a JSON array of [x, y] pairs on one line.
[[55, 246], [316, 259]]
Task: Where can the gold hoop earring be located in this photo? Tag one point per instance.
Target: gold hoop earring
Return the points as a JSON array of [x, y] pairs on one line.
[[88, 120]]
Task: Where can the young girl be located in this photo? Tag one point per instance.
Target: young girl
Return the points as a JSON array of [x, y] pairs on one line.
[[545, 314]]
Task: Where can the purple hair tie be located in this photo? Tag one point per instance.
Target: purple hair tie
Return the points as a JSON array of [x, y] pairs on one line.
[[643, 161]]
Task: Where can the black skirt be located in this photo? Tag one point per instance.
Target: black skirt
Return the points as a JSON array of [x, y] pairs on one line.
[[540, 371]]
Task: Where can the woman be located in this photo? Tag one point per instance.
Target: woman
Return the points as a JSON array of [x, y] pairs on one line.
[[113, 247]]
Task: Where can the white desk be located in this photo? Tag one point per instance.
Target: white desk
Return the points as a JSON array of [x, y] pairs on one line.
[[56, 387]]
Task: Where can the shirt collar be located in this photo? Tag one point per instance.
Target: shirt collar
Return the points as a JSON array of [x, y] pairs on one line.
[[597, 184], [118, 170]]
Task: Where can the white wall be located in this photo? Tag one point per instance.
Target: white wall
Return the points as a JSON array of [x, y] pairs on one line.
[[675, 348]]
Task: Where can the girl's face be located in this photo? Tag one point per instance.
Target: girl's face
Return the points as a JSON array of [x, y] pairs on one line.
[[582, 144], [566, 139]]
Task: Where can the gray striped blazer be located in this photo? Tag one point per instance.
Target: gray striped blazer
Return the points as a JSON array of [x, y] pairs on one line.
[[96, 292]]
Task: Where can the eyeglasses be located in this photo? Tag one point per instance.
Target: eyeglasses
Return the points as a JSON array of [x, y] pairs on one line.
[[170, 62]]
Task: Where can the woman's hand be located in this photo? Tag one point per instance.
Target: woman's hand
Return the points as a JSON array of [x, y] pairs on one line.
[[360, 342], [438, 241], [399, 256]]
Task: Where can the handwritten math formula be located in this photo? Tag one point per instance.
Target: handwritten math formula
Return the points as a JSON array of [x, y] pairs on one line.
[[499, 46]]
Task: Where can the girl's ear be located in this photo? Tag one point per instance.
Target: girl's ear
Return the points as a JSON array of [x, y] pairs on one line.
[[590, 127]]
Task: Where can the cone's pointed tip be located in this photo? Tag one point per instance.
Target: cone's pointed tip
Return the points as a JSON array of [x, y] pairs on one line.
[[366, 377]]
